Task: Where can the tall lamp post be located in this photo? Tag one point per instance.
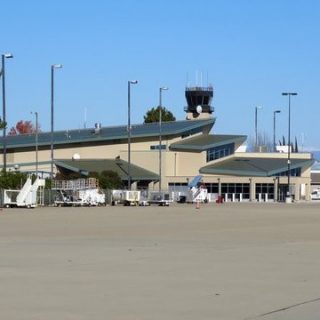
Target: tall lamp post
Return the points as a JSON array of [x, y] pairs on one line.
[[289, 94], [160, 134], [274, 129], [130, 82], [53, 67], [3, 74], [256, 125], [36, 133]]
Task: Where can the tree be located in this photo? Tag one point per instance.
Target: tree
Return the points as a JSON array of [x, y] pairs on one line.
[[68, 176], [3, 124], [153, 115], [23, 127], [12, 180], [108, 179], [294, 148]]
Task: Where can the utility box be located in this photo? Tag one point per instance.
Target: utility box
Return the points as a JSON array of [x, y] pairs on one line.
[[125, 197]]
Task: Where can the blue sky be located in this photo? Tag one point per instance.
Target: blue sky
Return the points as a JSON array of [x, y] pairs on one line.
[[250, 51]]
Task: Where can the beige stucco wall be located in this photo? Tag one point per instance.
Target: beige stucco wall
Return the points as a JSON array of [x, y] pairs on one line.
[[176, 166], [140, 152]]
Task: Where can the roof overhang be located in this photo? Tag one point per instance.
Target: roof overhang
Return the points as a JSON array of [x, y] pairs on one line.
[[109, 134], [204, 142], [259, 167], [85, 166]]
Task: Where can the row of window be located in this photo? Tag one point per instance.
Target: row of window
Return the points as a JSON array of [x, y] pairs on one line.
[[293, 173], [265, 188], [264, 191], [231, 187], [220, 152], [157, 147]]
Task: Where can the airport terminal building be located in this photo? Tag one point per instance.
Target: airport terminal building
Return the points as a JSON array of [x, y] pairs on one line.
[[188, 149]]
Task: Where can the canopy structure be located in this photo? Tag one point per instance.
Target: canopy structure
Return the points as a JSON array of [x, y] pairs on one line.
[[204, 142], [250, 166], [85, 166]]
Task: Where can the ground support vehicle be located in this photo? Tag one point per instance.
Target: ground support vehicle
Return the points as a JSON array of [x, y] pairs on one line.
[[79, 192], [125, 197], [315, 194], [29, 196]]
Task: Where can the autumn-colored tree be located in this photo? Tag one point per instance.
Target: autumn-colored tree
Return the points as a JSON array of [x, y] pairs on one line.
[[23, 127]]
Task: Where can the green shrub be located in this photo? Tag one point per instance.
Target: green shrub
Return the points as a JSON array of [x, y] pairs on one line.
[[12, 180]]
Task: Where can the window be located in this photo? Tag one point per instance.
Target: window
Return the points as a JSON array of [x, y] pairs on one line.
[[157, 147], [293, 173], [220, 152], [212, 187], [177, 184], [237, 189], [264, 189]]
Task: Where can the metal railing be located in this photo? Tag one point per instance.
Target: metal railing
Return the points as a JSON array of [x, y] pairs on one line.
[[209, 88], [78, 184], [194, 109]]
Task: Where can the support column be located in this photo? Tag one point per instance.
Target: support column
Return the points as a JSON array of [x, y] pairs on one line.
[[275, 189], [308, 191], [151, 186], [297, 191], [252, 190], [134, 185], [219, 186]]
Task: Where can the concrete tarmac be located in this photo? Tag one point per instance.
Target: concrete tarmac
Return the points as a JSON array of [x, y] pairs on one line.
[[231, 261]]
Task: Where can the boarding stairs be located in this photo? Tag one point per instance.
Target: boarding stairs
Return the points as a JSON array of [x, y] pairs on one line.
[[197, 190], [28, 196]]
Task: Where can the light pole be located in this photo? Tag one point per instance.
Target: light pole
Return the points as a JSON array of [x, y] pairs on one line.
[[256, 126], [274, 129], [160, 134], [130, 82], [36, 133], [289, 94], [53, 67], [3, 74]]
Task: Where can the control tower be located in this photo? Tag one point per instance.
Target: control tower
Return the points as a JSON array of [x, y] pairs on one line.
[[199, 102]]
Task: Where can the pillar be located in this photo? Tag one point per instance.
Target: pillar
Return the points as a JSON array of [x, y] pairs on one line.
[[308, 191], [134, 185], [219, 186], [275, 189], [252, 190], [151, 186]]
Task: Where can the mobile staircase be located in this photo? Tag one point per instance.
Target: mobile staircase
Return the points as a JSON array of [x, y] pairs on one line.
[[197, 190], [29, 196]]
